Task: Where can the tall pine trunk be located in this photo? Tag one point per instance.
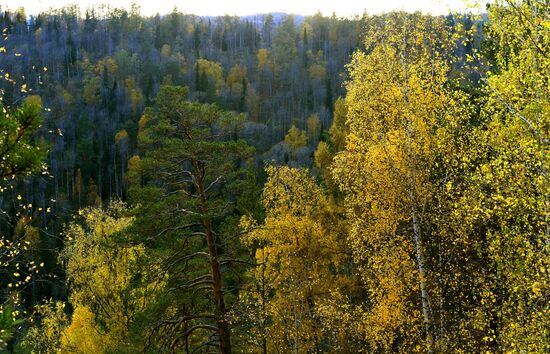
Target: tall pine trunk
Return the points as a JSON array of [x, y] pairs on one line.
[[217, 284]]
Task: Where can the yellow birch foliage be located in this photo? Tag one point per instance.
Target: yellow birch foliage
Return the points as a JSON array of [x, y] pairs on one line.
[[212, 69], [296, 138], [299, 255], [507, 203], [313, 126], [339, 129], [99, 273], [396, 100], [236, 75], [47, 337], [263, 58], [82, 336]]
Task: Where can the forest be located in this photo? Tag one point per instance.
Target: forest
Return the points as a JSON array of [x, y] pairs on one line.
[[275, 183]]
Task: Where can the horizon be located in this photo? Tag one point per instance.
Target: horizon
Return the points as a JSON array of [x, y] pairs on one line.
[[345, 8]]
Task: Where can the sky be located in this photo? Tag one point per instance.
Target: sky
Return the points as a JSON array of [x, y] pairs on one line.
[[249, 7]]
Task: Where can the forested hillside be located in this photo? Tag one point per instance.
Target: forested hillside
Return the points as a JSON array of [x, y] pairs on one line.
[[275, 183]]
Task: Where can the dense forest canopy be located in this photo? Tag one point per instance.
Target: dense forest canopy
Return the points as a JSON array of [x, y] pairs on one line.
[[275, 183]]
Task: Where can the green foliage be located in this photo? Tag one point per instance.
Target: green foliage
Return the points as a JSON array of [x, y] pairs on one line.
[[8, 324], [19, 155], [284, 46], [196, 181]]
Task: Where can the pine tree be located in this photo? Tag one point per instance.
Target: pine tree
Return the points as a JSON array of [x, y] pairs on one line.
[[193, 174]]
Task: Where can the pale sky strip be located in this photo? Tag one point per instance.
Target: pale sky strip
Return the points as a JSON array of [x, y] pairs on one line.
[[249, 7]]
